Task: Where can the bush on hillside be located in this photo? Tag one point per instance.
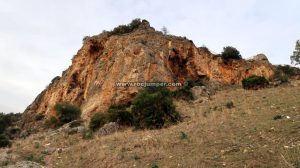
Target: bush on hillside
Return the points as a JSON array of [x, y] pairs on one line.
[[116, 113], [120, 115], [254, 82], [52, 122], [4, 141], [67, 112], [39, 117], [97, 121], [183, 93], [230, 53], [153, 109], [7, 120], [284, 72]]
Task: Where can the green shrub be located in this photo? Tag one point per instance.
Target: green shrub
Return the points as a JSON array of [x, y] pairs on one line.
[[183, 135], [154, 109], [39, 117], [229, 104], [97, 121], [120, 115], [204, 49], [52, 122], [297, 164], [67, 112], [38, 159], [254, 82], [284, 72], [230, 53], [4, 141], [277, 117], [87, 134], [183, 93], [7, 120], [123, 29], [154, 165], [116, 113], [280, 76], [13, 132]]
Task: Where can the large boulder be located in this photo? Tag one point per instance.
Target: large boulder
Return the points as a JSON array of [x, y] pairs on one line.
[[260, 57], [108, 128]]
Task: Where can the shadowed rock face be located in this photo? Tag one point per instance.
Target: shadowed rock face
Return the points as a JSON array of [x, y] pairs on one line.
[[142, 55]]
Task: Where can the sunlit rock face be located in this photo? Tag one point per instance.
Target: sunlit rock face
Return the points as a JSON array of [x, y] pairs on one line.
[[142, 55]]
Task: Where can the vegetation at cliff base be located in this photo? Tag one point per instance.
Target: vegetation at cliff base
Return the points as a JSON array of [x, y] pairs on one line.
[[4, 141], [97, 121], [254, 82], [67, 112], [284, 72], [153, 108], [116, 113], [7, 131], [120, 115]]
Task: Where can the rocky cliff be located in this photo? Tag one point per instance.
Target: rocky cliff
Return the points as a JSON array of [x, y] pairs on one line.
[[141, 55]]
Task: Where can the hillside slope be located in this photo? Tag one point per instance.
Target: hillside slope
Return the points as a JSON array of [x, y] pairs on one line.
[[211, 135]]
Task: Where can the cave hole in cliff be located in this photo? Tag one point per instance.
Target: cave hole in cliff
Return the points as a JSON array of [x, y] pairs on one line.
[[73, 82], [95, 47], [177, 64]]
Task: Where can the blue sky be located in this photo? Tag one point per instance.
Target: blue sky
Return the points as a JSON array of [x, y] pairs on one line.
[[38, 38]]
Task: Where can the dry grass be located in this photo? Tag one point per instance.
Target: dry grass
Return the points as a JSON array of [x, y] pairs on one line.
[[211, 135]]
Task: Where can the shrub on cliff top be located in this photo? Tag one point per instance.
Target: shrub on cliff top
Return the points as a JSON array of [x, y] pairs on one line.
[[122, 29], [153, 108], [254, 82], [230, 53], [67, 112]]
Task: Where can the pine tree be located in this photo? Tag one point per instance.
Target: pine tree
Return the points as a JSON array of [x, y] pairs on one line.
[[295, 58]]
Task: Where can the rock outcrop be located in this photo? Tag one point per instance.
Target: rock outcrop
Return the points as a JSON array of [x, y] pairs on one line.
[[141, 55]]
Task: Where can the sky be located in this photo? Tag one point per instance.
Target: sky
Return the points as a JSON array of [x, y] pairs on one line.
[[38, 38]]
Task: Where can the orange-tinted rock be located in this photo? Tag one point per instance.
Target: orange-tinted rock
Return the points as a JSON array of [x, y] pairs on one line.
[[142, 55]]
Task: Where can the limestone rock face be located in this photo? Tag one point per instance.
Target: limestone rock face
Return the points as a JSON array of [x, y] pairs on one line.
[[142, 55], [260, 57]]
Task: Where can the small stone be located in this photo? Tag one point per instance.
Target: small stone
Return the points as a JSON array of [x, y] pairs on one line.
[[59, 150]]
